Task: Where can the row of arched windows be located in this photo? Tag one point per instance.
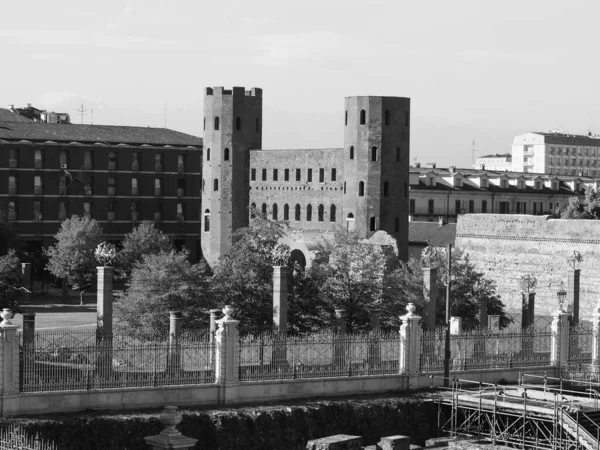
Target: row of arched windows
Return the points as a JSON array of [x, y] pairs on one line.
[[298, 212], [374, 153], [387, 117], [238, 123], [225, 154]]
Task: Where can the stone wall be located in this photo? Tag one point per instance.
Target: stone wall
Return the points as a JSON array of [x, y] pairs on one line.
[[505, 247]]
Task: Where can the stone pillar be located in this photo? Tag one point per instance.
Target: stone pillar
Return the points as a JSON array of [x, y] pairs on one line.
[[28, 328], [170, 437], [494, 323], [174, 361], [26, 280], [596, 336], [227, 356], [280, 297], [104, 308], [483, 316], [455, 325], [430, 297], [339, 339], [410, 341], [394, 443], [214, 313], [560, 338], [9, 358], [573, 292]]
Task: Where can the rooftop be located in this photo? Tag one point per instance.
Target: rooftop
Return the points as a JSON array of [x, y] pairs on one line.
[[496, 155], [6, 115], [432, 233], [92, 134]]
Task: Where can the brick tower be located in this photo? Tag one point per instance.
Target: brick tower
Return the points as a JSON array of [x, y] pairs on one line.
[[232, 126], [376, 167]]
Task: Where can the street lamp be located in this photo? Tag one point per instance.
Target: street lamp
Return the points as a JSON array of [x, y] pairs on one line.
[[561, 295]]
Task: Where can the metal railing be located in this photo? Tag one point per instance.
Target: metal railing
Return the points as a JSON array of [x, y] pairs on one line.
[[73, 359], [272, 355]]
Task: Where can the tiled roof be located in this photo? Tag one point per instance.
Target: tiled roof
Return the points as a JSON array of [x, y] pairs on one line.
[[6, 115], [497, 155], [432, 233], [89, 134]]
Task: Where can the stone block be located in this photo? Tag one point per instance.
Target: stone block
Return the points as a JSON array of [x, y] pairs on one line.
[[394, 443], [336, 442]]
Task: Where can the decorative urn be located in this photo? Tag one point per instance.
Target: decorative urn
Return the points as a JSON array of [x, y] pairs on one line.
[[6, 314], [228, 311]]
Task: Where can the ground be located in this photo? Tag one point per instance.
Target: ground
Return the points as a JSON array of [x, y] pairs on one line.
[[55, 311]]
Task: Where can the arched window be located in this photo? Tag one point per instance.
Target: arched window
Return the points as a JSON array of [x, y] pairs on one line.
[[396, 224], [216, 184], [373, 153], [373, 224], [238, 123], [321, 213], [350, 216], [397, 154], [208, 154], [309, 213], [297, 213], [207, 220], [387, 117], [332, 211], [253, 210], [346, 120], [361, 189], [275, 211], [226, 154], [216, 123], [351, 152], [264, 209], [363, 116], [386, 189], [286, 212]]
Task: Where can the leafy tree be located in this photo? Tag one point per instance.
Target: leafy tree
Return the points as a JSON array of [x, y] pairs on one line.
[[145, 239], [588, 208], [8, 235], [72, 257], [10, 281], [160, 283]]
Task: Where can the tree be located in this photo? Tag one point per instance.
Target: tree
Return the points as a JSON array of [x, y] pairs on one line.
[[161, 283], [145, 239], [8, 235], [72, 257], [10, 281], [588, 208]]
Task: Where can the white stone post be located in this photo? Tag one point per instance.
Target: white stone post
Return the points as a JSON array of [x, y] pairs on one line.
[[9, 358], [104, 308], [560, 338], [410, 341], [227, 356], [596, 336], [170, 437]]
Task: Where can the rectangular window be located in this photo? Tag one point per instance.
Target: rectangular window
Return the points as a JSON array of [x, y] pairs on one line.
[[471, 206], [321, 175], [309, 175], [504, 207], [87, 209], [136, 161], [412, 206], [253, 174], [298, 175], [87, 187], [62, 210], [37, 185], [88, 162], [37, 211], [12, 185], [484, 206], [62, 185], [275, 174], [181, 187], [157, 187], [112, 161], [264, 174], [333, 175], [38, 159], [135, 211], [286, 175], [112, 186], [430, 206], [63, 158], [135, 189], [13, 158], [12, 210], [457, 207], [158, 214], [180, 211], [158, 162], [181, 163]]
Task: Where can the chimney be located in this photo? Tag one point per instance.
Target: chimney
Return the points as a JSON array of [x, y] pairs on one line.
[[28, 105], [433, 165], [417, 165], [452, 169], [441, 220], [483, 167], [11, 107]]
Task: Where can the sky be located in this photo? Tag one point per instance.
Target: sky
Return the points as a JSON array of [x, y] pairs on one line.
[[475, 70]]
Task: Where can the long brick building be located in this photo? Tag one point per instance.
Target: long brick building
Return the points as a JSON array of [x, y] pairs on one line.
[[119, 175]]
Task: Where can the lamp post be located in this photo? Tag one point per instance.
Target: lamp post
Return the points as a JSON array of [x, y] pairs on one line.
[[561, 296], [447, 340]]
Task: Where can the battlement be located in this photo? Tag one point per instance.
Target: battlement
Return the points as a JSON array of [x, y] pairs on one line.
[[236, 91]]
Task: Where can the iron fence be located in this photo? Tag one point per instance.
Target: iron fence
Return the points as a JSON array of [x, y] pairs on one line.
[[275, 355], [483, 349], [13, 437], [580, 342], [74, 359]]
